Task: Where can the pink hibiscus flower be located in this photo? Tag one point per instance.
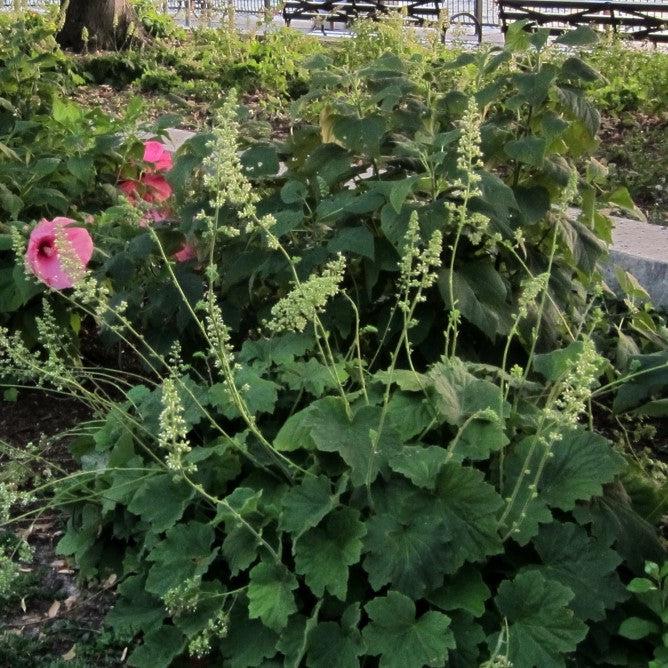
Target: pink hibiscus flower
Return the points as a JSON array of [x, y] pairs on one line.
[[58, 254], [186, 253], [149, 187], [156, 154]]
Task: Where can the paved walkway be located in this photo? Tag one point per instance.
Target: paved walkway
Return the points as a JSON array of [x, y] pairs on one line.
[[639, 248]]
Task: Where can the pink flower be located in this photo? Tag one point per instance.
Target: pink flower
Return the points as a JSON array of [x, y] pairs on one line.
[[58, 254], [149, 187], [186, 253], [156, 154]]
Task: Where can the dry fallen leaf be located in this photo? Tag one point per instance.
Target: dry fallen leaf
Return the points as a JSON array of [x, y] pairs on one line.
[[53, 610], [70, 601], [124, 654], [68, 656], [109, 582]]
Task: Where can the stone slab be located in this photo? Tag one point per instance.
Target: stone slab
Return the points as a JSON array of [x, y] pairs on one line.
[[637, 247]]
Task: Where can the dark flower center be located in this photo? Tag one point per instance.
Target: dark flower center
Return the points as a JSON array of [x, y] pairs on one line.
[[47, 247]]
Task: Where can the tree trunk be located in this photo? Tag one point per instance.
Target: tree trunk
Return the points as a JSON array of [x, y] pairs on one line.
[[99, 24]]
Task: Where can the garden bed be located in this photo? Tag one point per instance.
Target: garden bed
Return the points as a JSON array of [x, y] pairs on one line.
[[346, 385]]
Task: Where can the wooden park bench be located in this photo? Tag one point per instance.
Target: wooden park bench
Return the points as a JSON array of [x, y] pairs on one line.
[[633, 20], [342, 13]]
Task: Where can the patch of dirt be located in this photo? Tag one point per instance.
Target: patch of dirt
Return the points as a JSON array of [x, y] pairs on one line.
[[34, 414], [48, 614], [114, 101]]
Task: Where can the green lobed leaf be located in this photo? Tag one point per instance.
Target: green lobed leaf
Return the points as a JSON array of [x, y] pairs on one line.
[[542, 628], [403, 640], [270, 597], [407, 542], [159, 648], [420, 465], [323, 554], [332, 430], [575, 469], [465, 590], [184, 553], [331, 646], [240, 545], [480, 294], [248, 642], [161, 501], [584, 565], [305, 505]]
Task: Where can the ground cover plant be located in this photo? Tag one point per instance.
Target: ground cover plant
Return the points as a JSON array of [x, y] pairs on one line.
[[368, 382]]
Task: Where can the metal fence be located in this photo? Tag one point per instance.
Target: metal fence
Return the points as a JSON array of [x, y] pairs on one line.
[[203, 12]]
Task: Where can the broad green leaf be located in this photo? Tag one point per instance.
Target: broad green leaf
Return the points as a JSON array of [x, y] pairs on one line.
[[159, 648], [403, 640], [332, 430], [295, 434], [360, 135], [183, 554], [636, 628], [469, 636], [616, 522], [479, 439], [161, 501], [621, 197], [534, 87], [528, 150], [465, 590], [306, 504], [248, 642], [330, 646], [400, 191], [240, 545], [649, 377], [420, 465], [295, 638], [312, 376], [407, 542], [576, 469], [555, 364], [580, 36], [585, 565], [409, 415], [270, 596], [259, 394], [579, 107], [469, 507], [542, 628], [323, 554], [576, 68], [459, 394], [517, 37], [135, 610], [357, 240], [260, 161], [480, 293]]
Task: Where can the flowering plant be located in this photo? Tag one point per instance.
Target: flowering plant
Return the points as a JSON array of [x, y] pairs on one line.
[[378, 443]]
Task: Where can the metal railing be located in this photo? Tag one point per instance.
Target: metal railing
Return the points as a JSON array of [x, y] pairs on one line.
[[207, 12]]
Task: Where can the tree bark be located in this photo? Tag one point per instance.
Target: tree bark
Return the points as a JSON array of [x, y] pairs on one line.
[[99, 24]]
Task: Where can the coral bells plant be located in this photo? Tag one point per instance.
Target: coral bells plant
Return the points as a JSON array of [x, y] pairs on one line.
[[59, 253]]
